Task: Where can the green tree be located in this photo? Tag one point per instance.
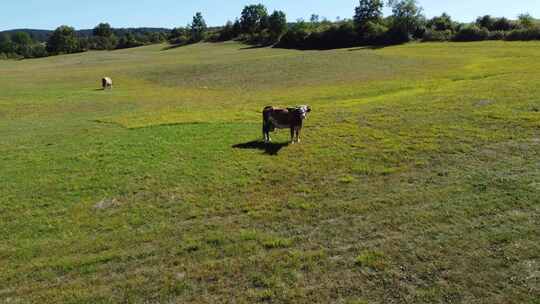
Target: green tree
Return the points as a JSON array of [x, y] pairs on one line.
[[104, 38], [227, 32], [198, 28], [237, 28], [502, 24], [407, 20], [368, 11], [441, 23], [22, 44], [6, 45], [103, 30], [180, 35], [526, 21], [277, 25], [21, 39], [485, 21], [254, 19], [63, 41]]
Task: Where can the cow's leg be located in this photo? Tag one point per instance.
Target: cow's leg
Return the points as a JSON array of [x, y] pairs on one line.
[[293, 131], [298, 134], [266, 133]]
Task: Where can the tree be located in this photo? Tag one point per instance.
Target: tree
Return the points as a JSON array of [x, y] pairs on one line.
[[198, 28], [254, 18], [314, 19], [367, 11], [21, 39], [502, 24], [485, 21], [526, 21], [277, 25], [237, 28], [407, 20], [6, 45], [180, 35], [103, 37], [128, 41], [227, 32], [63, 41], [441, 23], [103, 30], [22, 44]]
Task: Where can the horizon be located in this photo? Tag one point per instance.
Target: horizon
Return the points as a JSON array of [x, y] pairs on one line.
[[145, 13]]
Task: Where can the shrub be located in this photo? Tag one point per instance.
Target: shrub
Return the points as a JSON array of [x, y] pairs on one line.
[[524, 34], [296, 36], [471, 33], [496, 35], [39, 51], [431, 35], [441, 23], [373, 33], [502, 24], [225, 34]]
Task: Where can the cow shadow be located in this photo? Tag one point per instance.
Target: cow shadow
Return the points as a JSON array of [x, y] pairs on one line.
[[268, 148]]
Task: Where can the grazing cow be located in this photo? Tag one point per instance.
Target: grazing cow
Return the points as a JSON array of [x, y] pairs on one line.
[[290, 118], [106, 83]]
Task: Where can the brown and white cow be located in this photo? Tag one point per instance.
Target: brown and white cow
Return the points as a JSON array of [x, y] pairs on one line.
[[290, 118], [106, 83]]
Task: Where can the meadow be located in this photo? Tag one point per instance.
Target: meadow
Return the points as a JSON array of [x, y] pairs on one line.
[[417, 180]]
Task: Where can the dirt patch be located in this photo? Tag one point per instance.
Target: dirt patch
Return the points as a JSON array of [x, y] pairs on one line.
[[483, 103], [107, 204]]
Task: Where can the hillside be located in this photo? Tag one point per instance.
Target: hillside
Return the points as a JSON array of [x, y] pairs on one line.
[[417, 179]]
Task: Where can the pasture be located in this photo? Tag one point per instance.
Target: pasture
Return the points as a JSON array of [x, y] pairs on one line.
[[417, 180]]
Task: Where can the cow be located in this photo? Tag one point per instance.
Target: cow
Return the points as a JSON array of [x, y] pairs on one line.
[[289, 118], [106, 83]]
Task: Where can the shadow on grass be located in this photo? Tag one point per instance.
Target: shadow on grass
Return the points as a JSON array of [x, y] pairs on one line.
[[268, 148], [368, 47], [174, 46], [256, 46]]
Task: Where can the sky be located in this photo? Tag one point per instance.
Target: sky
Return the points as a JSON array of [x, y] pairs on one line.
[[48, 14]]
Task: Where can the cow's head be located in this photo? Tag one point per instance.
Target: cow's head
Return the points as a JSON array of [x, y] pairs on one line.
[[303, 110]]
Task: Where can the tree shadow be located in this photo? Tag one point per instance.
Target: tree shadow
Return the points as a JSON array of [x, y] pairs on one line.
[[268, 148], [256, 46], [174, 46], [368, 47]]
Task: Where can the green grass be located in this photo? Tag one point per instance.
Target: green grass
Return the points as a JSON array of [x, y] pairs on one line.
[[417, 180]]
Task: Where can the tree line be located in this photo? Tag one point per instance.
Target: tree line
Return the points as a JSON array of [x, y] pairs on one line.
[[256, 25], [369, 27], [66, 40]]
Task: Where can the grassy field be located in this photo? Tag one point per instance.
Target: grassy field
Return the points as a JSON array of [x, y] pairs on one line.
[[417, 181]]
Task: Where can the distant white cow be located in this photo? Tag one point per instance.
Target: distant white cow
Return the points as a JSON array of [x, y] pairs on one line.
[[106, 83]]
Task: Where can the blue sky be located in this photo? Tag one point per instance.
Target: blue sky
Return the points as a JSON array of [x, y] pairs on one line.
[[48, 14]]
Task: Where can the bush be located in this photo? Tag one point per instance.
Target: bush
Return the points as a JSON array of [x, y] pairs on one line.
[[373, 33], [524, 34], [502, 24], [103, 43], [296, 36], [471, 33], [39, 51], [496, 35], [431, 35]]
